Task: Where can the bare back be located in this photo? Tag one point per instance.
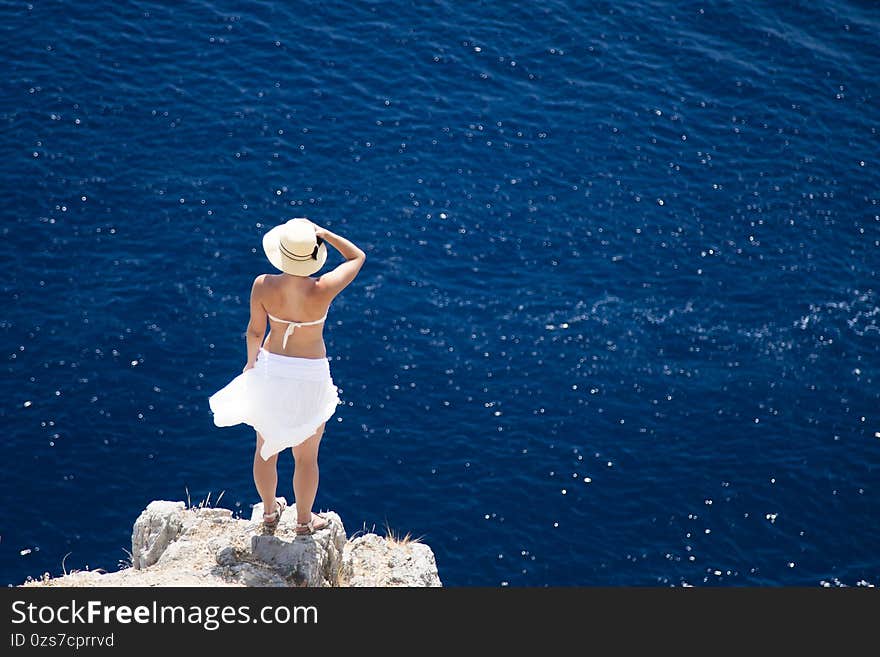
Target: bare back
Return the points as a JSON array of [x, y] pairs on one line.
[[296, 299]]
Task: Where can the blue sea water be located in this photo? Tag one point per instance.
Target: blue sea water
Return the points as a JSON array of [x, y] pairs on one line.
[[619, 322]]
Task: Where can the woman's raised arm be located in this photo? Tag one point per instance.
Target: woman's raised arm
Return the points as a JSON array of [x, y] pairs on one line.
[[334, 281]]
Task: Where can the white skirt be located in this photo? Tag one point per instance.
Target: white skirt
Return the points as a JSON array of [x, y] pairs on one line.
[[285, 398]]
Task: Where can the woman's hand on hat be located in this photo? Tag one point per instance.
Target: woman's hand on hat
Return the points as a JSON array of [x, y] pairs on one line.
[[247, 367], [319, 230]]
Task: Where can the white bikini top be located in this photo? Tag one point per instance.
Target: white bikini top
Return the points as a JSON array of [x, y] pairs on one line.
[[292, 325]]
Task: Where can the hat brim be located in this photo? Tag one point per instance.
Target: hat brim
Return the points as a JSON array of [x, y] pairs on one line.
[[272, 247]]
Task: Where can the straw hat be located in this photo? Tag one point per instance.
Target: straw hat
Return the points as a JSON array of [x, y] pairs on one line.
[[294, 248]]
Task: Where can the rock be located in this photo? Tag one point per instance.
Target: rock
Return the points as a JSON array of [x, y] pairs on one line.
[[226, 556], [153, 531], [176, 546], [311, 560], [372, 560], [247, 574]]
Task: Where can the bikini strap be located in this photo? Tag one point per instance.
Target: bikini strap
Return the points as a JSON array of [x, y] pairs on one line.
[[291, 326]]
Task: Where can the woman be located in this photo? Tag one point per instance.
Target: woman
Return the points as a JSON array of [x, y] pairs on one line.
[[285, 390]]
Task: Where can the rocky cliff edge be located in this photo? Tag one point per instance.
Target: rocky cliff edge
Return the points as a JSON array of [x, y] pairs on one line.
[[172, 545]]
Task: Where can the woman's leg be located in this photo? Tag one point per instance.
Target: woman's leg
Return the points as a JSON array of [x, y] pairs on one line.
[[265, 477], [305, 474]]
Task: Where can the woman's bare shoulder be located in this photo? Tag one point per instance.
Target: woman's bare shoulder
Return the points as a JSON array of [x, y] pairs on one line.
[[268, 280], [264, 284]]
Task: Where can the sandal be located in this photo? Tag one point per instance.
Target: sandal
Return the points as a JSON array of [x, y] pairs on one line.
[[271, 520], [308, 528]]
